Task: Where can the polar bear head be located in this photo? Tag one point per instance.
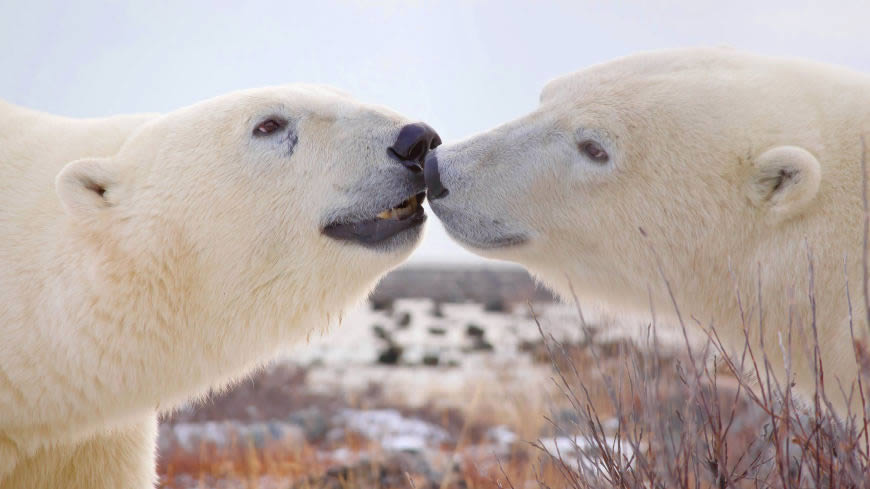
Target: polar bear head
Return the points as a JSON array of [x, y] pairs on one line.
[[686, 158], [295, 196]]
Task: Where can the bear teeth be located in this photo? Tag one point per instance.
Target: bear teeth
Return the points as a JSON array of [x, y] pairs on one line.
[[406, 209]]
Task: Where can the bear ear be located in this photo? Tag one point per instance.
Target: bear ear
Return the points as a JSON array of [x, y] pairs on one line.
[[784, 180], [83, 184]]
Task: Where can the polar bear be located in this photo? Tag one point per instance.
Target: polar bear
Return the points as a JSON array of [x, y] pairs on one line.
[[717, 170], [148, 259]]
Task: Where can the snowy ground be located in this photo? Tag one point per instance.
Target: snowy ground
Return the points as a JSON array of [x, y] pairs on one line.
[[451, 386]]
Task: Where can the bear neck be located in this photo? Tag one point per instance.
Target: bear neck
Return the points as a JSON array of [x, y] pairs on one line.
[[726, 298], [156, 330]]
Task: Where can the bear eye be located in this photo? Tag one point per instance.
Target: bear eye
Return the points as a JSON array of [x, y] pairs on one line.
[[594, 151], [269, 126]]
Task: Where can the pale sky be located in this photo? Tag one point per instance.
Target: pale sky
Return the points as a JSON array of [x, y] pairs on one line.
[[462, 66]]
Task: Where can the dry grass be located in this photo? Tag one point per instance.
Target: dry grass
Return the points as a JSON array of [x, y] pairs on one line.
[[694, 424]]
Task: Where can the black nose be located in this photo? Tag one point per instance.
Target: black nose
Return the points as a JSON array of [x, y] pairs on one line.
[[433, 179], [412, 144]]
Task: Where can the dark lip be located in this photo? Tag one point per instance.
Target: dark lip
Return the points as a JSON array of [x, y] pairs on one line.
[[373, 231]]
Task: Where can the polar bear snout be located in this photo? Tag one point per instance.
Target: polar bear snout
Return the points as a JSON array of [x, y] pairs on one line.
[[387, 213], [474, 213], [413, 144]]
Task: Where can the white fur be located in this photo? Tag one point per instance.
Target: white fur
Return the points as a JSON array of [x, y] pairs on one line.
[[726, 168], [198, 258]]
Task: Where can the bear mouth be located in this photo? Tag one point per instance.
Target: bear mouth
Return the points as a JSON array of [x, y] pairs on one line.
[[384, 225]]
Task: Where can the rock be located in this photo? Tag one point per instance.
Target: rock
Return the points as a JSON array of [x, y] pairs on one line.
[[437, 310], [390, 355], [474, 331], [404, 320], [437, 331], [430, 359], [313, 422], [495, 305], [380, 332], [382, 303]]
